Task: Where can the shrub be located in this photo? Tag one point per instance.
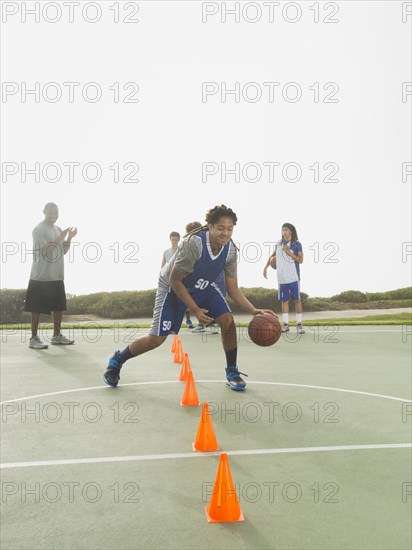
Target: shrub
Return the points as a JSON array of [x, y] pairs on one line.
[[399, 294], [350, 296], [134, 304], [11, 305]]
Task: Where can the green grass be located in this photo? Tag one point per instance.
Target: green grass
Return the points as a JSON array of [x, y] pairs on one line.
[[395, 319], [384, 319]]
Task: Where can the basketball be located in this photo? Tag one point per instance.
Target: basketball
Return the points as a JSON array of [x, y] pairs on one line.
[[264, 329]]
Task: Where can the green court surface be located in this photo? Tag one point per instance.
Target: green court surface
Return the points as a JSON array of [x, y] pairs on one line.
[[319, 445]]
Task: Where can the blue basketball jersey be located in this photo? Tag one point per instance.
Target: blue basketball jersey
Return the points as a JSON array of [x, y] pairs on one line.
[[220, 281], [209, 266]]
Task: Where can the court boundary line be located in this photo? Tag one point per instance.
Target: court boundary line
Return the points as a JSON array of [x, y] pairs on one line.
[[327, 388], [171, 456], [127, 330]]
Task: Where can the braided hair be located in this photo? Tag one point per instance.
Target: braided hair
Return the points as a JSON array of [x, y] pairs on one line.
[[214, 214]]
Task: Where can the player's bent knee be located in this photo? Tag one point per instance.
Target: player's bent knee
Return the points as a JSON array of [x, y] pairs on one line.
[[225, 319], [226, 322]]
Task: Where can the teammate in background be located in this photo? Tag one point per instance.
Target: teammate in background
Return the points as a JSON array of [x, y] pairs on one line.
[[174, 238], [286, 259], [187, 281], [46, 292], [167, 255], [220, 281]]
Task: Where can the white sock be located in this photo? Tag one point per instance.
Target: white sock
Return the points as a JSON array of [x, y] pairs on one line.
[[285, 317], [298, 318]]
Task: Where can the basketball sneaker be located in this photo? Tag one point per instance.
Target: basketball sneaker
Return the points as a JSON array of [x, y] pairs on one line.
[[61, 340], [285, 327], [36, 343], [111, 376], [233, 380], [199, 328], [189, 324], [214, 330], [300, 328]]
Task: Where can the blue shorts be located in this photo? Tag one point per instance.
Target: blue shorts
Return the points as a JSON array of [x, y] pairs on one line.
[[288, 291], [169, 310]]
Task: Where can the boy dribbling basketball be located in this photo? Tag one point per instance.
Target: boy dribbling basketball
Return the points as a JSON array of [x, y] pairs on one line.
[[187, 281]]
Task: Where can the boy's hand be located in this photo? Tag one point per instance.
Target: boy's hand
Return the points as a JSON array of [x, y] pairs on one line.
[[202, 317], [257, 311]]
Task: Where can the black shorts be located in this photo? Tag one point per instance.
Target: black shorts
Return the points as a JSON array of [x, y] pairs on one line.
[[45, 296]]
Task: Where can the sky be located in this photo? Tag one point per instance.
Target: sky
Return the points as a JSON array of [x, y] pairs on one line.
[[144, 115]]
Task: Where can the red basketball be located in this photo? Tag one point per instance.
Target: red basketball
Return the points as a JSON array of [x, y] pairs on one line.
[[264, 329]]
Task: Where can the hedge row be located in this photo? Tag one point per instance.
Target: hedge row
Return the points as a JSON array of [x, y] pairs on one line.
[[130, 304]]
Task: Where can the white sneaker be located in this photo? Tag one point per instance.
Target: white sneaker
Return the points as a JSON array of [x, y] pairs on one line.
[[61, 340], [199, 328], [36, 343], [214, 330], [300, 329]]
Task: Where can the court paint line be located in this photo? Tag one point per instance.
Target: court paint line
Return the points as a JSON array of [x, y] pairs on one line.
[[312, 328], [144, 330], [342, 390], [360, 330], [172, 456]]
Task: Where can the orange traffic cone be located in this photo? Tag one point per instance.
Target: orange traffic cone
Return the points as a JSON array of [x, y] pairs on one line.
[[185, 368], [178, 358], [206, 437], [190, 398], [174, 343], [224, 505]]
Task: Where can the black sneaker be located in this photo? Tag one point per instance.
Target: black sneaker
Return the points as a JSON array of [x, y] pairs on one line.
[[111, 376], [189, 324], [234, 381]]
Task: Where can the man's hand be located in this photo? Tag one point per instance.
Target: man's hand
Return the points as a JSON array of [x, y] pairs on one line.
[[64, 234], [72, 232]]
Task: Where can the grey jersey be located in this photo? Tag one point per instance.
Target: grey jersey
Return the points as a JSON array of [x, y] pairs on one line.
[[169, 253], [50, 266], [188, 253]]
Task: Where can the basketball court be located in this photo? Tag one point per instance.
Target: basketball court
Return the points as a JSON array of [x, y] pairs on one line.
[[319, 445]]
